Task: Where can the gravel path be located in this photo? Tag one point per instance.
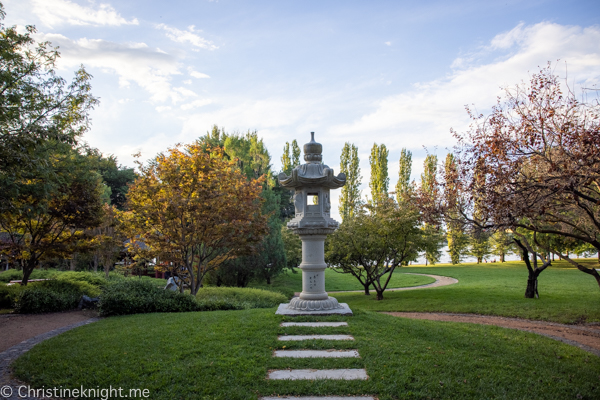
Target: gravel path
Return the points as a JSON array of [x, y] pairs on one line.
[[439, 281], [586, 337]]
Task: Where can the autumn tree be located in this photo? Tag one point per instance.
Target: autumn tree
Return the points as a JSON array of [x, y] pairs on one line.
[[350, 194], [295, 154], [195, 210], [286, 159], [404, 188], [379, 181], [375, 242], [538, 150]]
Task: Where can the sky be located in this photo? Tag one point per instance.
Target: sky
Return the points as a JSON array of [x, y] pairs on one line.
[[398, 73]]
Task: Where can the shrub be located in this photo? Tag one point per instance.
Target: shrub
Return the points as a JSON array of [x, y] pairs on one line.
[[92, 278], [52, 296], [238, 298], [134, 296], [13, 274], [8, 295]]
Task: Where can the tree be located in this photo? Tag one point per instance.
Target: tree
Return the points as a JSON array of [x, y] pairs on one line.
[[404, 189], [379, 182], [36, 105], [455, 233], [378, 239], [429, 187], [350, 196], [502, 244], [295, 154], [194, 209], [292, 246], [538, 150], [52, 214], [286, 161]]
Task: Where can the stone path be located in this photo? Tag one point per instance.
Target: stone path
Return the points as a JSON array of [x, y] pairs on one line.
[[312, 374], [9, 386]]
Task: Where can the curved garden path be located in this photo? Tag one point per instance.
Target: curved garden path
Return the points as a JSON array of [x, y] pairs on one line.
[[439, 281]]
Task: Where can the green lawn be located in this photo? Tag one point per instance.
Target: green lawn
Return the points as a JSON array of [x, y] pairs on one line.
[[566, 294], [335, 281], [227, 354]]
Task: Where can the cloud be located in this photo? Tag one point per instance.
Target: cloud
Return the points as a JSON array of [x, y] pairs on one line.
[[388, 43], [197, 74], [60, 12], [188, 36], [132, 62], [424, 115], [196, 104]]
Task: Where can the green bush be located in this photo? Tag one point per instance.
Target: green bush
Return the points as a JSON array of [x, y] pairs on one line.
[[239, 298], [13, 274], [135, 296], [52, 296], [92, 278], [8, 295]]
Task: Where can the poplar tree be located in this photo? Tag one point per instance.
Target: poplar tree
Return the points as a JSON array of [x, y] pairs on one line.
[[429, 186], [350, 197], [295, 154], [379, 173], [286, 161], [404, 187], [455, 234]]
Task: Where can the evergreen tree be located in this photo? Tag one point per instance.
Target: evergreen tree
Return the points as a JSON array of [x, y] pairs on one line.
[[380, 181], [502, 243], [350, 196], [404, 187]]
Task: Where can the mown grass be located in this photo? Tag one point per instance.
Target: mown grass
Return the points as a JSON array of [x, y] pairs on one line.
[[227, 355], [338, 282], [567, 295]]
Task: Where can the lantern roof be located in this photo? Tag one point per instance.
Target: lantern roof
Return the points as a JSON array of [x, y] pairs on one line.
[[314, 172]]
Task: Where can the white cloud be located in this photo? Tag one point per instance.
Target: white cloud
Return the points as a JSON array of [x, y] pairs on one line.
[[163, 108], [188, 36], [197, 74], [388, 43], [187, 82], [196, 104], [60, 12], [131, 62], [424, 115]]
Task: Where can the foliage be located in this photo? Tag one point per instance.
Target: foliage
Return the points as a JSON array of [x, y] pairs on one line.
[[350, 194], [429, 189], [455, 233], [134, 296], [375, 242], [502, 244], [230, 353], [37, 106], [245, 298], [292, 246], [195, 210], [533, 164], [8, 294], [52, 296], [404, 188], [379, 181], [51, 215]]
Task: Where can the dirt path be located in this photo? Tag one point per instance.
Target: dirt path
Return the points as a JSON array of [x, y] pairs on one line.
[[439, 281], [586, 337], [16, 328]]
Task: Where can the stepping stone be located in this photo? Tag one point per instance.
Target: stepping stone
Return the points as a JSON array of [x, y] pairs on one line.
[[312, 374], [314, 324], [320, 398], [312, 337], [317, 353]]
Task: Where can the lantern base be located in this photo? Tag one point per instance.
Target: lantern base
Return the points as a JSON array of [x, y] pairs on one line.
[[298, 307]]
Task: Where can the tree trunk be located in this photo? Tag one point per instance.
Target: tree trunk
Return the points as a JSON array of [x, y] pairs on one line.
[[95, 262], [268, 280], [531, 290], [379, 295], [502, 257], [366, 290], [27, 270]]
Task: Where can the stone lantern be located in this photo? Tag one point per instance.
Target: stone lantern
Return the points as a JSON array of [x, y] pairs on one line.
[[311, 183]]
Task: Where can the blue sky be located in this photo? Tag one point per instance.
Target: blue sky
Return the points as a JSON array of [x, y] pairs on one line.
[[392, 72]]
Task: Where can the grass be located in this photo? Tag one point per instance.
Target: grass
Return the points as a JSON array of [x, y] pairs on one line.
[[337, 282], [566, 294], [227, 355]]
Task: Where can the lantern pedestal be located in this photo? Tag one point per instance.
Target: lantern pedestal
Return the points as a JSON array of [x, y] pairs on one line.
[[313, 299]]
